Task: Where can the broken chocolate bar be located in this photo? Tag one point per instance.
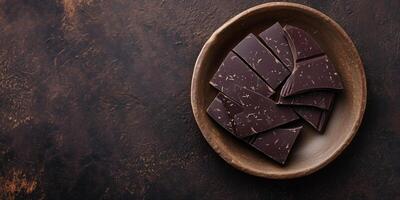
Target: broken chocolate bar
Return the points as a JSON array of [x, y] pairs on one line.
[[276, 143], [318, 99], [317, 118], [259, 114], [302, 44], [274, 38], [314, 74], [222, 110], [262, 61], [289, 61], [233, 71]]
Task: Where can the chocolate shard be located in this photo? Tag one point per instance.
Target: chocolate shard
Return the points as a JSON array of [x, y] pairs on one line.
[[275, 39], [222, 110], [317, 118], [302, 44], [318, 99], [276, 143], [259, 114], [262, 61], [314, 74], [233, 71]]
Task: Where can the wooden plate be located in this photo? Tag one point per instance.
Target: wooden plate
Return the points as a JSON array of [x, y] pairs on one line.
[[312, 150]]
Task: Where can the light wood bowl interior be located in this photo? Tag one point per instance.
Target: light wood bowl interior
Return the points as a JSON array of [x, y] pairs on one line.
[[312, 151]]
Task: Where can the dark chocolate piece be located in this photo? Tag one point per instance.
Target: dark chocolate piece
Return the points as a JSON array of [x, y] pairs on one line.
[[302, 44], [223, 110], [260, 114], [233, 71], [317, 118], [317, 73], [276, 143], [318, 99], [275, 39], [262, 60]]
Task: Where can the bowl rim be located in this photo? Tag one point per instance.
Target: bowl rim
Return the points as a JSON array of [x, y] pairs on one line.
[[227, 156]]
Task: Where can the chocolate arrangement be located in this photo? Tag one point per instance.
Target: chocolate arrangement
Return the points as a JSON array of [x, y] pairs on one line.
[[270, 86]]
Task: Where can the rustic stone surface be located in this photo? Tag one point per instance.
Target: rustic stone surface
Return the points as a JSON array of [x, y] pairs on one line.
[[95, 103]]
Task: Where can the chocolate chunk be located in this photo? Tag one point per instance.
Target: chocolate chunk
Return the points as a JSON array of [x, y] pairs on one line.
[[259, 114], [302, 44], [275, 39], [262, 61], [318, 99], [233, 71], [317, 118], [317, 73], [276, 143], [222, 110]]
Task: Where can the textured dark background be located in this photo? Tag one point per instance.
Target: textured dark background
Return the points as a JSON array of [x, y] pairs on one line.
[[94, 103]]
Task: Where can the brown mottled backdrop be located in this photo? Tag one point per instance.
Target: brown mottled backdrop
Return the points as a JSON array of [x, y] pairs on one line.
[[94, 103]]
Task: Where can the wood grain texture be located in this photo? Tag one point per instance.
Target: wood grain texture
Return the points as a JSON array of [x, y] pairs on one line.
[[95, 103]]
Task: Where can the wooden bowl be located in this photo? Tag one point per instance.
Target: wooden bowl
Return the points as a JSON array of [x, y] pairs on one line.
[[312, 150]]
